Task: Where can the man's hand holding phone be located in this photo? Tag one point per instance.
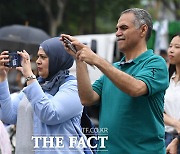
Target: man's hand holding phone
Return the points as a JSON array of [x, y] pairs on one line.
[[74, 48], [69, 44]]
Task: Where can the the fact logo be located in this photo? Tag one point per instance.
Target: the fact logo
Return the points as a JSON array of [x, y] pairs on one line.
[[74, 142]]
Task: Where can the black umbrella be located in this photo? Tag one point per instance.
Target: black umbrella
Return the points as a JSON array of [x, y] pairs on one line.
[[19, 37]]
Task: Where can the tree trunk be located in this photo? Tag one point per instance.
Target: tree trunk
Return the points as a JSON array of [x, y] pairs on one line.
[[93, 3], [53, 28], [55, 20]]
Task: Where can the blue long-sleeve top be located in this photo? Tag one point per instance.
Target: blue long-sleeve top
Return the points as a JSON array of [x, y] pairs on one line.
[[57, 115]]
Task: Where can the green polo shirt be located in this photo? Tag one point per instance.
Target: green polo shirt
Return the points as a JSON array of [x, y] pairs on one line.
[[135, 124]]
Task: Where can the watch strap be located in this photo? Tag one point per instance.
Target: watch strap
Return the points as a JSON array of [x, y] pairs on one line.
[[30, 77]]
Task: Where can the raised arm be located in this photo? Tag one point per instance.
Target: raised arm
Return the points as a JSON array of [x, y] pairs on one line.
[[8, 108], [87, 95], [122, 80]]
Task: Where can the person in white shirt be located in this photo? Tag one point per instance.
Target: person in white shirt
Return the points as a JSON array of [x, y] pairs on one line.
[[5, 145], [172, 98]]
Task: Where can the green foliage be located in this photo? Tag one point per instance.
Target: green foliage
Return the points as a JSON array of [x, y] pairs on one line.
[[112, 9], [80, 17], [22, 12], [77, 17], [109, 13]]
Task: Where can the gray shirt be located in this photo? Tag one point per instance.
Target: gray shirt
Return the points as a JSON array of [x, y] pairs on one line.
[[24, 128]]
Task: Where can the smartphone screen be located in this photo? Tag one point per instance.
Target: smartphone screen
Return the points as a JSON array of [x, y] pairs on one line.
[[14, 60]]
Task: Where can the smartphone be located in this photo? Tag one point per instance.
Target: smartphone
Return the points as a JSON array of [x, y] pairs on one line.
[[69, 44], [72, 47], [14, 59]]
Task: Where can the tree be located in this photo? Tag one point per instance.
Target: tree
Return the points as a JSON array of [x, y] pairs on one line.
[[173, 6], [163, 9], [54, 10], [68, 16], [93, 16], [23, 12]]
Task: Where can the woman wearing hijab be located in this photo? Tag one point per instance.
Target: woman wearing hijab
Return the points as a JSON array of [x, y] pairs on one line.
[[48, 109]]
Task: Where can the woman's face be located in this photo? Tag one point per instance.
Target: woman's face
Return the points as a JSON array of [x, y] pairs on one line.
[[42, 64], [174, 51]]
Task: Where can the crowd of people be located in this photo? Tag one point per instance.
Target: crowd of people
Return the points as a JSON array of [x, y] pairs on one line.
[[134, 94]]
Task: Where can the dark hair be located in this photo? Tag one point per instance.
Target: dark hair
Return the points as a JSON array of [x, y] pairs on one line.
[[141, 17], [172, 67], [163, 51], [177, 34]]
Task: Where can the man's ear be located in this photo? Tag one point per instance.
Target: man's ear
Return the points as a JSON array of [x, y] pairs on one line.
[[144, 29]]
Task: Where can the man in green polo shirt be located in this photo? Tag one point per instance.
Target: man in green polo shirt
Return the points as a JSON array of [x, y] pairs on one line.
[[131, 92]]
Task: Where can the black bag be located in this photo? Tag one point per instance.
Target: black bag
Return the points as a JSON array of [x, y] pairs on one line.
[[87, 123]]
